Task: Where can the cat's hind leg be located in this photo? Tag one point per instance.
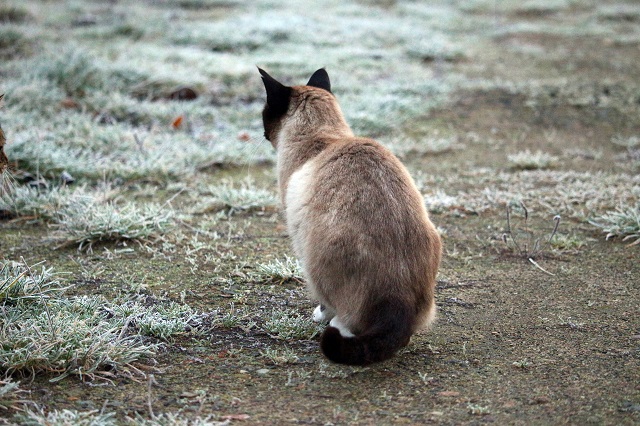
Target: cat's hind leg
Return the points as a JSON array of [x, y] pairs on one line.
[[323, 313], [344, 331]]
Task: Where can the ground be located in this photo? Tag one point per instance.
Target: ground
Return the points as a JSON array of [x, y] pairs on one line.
[[526, 109]]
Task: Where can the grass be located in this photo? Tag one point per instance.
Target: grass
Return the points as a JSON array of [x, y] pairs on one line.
[[82, 217], [65, 418], [215, 295], [12, 14], [13, 43], [231, 198], [527, 160], [288, 325], [87, 336], [280, 356], [281, 271], [112, 222], [9, 394], [44, 205], [623, 222], [47, 332]]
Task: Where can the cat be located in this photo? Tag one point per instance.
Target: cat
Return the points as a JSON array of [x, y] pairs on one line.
[[357, 223]]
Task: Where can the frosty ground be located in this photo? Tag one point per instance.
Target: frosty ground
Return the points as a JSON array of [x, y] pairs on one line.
[[145, 273]]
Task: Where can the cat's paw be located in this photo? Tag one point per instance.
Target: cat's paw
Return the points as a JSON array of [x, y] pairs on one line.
[[321, 314]]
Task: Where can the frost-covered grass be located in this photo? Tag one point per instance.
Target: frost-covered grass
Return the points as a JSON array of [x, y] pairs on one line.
[[280, 356], [288, 325], [86, 225], [232, 198], [9, 394], [45, 331], [43, 204], [280, 271], [83, 217], [91, 91], [66, 417], [527, 160], [623, 222]]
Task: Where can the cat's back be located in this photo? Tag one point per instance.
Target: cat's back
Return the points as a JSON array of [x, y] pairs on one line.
[[362, 175], [357, 190]]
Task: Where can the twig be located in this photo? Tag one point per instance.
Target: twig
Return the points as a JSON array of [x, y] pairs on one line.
[[534, 263], [150, 383]]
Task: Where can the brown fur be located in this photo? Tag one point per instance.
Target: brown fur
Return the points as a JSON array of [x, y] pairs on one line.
[[359, 226]]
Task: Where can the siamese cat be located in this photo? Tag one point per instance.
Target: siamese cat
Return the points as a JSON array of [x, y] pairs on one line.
[[357, 223]]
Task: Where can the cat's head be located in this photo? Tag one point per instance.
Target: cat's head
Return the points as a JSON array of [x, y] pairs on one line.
[[283, 101]]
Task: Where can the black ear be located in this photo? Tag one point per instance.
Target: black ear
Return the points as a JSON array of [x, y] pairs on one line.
[[320, 79], [277, 93]]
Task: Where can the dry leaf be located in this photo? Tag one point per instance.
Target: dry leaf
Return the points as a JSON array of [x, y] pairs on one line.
[[177, 122]]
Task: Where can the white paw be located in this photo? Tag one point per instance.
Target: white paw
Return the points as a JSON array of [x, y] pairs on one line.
[[344, 331], [320, 314]]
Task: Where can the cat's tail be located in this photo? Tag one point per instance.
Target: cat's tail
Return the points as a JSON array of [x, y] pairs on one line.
[[389, 329]]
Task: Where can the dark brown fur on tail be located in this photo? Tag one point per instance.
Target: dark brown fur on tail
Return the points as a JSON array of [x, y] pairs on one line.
[[390, 330]]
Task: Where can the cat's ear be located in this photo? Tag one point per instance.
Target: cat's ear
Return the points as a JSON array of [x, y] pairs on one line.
[[277, 93], [320, 79], [1, 96]]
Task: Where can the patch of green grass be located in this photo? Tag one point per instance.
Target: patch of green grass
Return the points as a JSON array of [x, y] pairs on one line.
[[232, 199], [527, 160], [478, 410], [9, 394], [162, 320], [45, 332], [86, 225], [43, 204], [88, 150], [288, 325], [281, 271], [564, 243], [280, 356], [623, 222], [77, 72], [65, 417], [21, 284]]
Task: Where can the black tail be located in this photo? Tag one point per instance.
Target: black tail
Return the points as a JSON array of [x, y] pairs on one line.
[[389, 329]]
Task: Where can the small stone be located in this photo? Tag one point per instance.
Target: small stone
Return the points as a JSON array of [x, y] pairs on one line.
[[66, 178], [263, 372]]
